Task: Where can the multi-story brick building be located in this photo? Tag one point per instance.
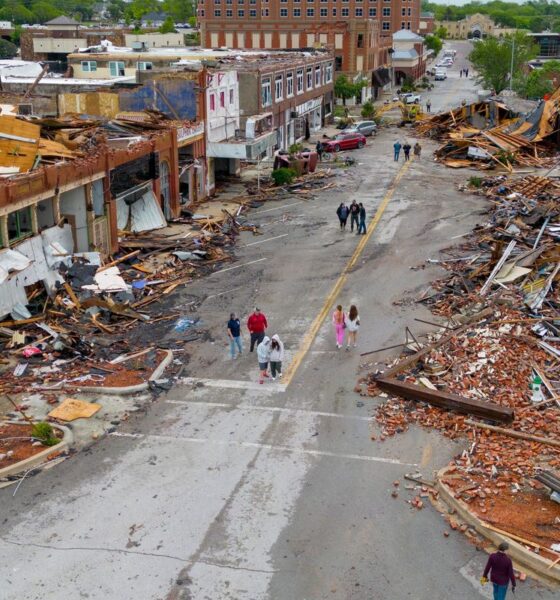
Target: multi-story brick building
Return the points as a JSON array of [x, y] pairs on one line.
[[359, 31]]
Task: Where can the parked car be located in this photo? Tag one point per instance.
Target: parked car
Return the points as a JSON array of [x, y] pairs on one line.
[[345, 141], [364, 127], [410, 98]]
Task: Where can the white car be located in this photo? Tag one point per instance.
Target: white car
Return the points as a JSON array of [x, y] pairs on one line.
[[410, 98]]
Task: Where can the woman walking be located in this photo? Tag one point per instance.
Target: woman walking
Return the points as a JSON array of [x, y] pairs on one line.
[[263, 356], [342, 212], [352, 324], [276, 356], [339, 322]]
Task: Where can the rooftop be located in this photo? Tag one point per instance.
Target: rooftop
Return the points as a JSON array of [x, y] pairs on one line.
[[405, 35], [62, 20]]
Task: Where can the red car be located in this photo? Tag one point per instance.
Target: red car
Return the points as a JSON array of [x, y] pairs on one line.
[[345, 141]]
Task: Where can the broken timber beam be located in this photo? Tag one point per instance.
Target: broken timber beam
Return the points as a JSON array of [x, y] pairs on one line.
[[412, 360], [520, 435], [466, 406]]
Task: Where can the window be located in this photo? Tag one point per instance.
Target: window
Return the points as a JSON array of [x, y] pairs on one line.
[[297, 1], [116, 68], [266, 92], [359, 12], [309, 77], [217, 1], [229, 1], [264, 12], [19, 224], [144, 66], [345, 12], [299, 81], [252, 2], [410, 12], [283, 1], [317, 76], [403, 25], [222, 99], [373, 12], [289, 85], [252, 13], [200, 12], [240, 13], [229, 12], [231, 97], [240, 1], [283, 12], [324, 12], [408, 25], [217, 13], [310, 12], [334, 12], [360, 41], [278, 87], [297, 12], [328, 73], [386, 26], [88, 66], [386, 11], [324, 1], [403, 12], [212, 102]]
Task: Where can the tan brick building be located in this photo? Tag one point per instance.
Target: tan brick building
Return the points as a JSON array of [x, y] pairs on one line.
[[358, 31]]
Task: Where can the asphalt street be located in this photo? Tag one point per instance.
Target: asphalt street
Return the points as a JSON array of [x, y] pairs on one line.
[[228, 489]]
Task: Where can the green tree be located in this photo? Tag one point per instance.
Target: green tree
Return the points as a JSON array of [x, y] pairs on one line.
[[44, 11], [168, 26], [18, 14], [180, 10], [344, 89], [116, 10], [7, 49], [368, 110], [441, 33], [192, 21], [540, 81], [433, 43], [139, 8], [492, 59]]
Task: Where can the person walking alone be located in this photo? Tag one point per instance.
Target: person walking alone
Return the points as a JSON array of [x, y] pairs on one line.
[[234, 333], [257, 324], [320, 149], [406, 148], [339, 322], [352, 324], [417, 150], [354, 215], [429, 106], [362, 227], [263, 356], [397, 150], [466, 72], [500, 567], [276, 356], [342, 212], [461, 73]]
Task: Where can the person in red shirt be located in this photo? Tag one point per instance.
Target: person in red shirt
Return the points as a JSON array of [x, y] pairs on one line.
[[257, 325], [500, 567]]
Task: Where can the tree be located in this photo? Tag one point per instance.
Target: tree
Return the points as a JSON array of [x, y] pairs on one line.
[[17, 13], [116, 10], [434, 43], [7, 49], [369, 111], [44, 11], [540, 81], [344, 89], [180, 10], [139, 8], [441, 33], [492, 59], [168, 26]]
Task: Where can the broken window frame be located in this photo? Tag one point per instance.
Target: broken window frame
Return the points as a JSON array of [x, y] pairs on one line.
[[20, 235]]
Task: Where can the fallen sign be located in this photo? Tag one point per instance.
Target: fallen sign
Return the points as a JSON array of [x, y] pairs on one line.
[[486, 410]]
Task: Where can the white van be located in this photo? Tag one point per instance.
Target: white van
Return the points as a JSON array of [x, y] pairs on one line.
[[441, 74]]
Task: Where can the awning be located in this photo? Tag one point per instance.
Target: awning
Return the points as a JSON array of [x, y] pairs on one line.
[[381, 77]]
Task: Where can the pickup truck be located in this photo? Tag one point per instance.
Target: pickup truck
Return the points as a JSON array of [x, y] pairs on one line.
[[410, 98]]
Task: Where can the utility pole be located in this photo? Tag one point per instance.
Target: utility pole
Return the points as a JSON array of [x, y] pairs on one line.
[[512, 57]]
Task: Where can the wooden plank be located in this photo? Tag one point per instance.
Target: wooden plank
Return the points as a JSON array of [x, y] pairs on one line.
[[72, 295], [467, 406], [119, 260], [515, 434]]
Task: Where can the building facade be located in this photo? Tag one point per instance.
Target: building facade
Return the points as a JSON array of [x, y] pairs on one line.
[[474, 26], [358, 31]]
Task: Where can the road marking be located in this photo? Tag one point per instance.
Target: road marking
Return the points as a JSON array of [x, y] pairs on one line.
[[279, 409], [313, 330], [235, 384], [276, 237], [260, 212], [241, 287], [238, 266], [272, 447]]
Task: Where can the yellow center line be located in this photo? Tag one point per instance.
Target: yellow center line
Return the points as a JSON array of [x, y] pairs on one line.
[[311, 333]]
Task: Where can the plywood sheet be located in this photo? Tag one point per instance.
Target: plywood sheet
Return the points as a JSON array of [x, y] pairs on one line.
[[72, 409]]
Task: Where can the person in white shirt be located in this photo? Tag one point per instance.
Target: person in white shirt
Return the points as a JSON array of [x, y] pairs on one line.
[[276, 356], [352, 326]]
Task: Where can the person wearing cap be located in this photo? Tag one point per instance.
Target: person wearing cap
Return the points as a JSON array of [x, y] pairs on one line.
[[257, 324], [500, 567], [234, 334]]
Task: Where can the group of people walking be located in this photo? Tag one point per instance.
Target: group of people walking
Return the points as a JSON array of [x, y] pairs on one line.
[[357, 214], [464, 72], [346, 324], [269, 351], [406, 148]]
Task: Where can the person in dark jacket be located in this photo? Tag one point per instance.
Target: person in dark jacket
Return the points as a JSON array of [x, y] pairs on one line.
[[234, 334], [500, 567], [406, 149], [320, 149], [354, 215], [396, 150], [362, 227], [342, 212]]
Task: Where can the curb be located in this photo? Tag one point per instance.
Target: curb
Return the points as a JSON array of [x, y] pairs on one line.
[[537, 564], [131, 389], [40, 457]]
